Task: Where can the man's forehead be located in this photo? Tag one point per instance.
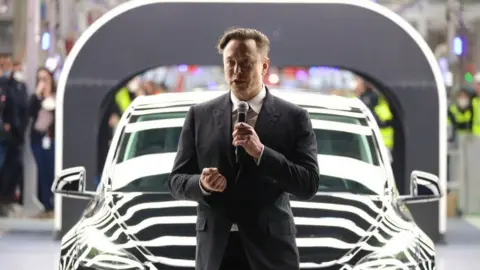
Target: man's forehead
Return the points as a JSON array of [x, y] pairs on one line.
[[239, 55], [241, 46]]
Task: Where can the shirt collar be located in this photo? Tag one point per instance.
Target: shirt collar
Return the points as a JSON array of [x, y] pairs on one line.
[[255, 103]]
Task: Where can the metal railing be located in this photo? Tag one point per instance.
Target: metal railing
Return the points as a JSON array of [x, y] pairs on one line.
[[464, 172]]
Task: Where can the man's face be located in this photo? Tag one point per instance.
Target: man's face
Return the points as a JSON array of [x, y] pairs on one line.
[[148, 87], [8, 64], [359, 87], [17, 67], [244, 65]]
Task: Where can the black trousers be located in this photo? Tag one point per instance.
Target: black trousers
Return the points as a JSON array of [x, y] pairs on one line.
[[11, 174], [234, 257]]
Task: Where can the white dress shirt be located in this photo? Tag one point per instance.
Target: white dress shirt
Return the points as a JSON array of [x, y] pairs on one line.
[[255, 104]]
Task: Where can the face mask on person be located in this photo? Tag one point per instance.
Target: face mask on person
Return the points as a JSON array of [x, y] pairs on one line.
[[463, 103], [133, 86], [19, 76], [48, 103]]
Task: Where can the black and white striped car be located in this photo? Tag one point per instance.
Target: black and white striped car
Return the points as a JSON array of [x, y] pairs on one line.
[[357, 220]]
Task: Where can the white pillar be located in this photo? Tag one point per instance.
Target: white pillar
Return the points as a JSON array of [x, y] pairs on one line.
[[32, 62], [33, 42], [52, 25], [19, 29], [66, 14], [422, 23], [476, 47]]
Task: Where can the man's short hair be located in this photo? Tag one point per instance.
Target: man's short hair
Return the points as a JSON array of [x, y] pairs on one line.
[[261, 40]]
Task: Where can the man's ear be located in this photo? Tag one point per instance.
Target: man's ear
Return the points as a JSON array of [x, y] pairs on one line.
[[266, 65]]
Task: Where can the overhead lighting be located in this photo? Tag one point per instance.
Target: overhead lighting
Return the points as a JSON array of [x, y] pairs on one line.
[[458, 46]]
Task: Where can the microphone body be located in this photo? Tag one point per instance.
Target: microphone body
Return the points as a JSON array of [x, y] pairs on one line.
[[241, 118]]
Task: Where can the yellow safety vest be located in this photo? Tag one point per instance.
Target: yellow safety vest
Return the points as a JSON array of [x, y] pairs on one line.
[[476, 116], [122, 99], [460, 118], [383, 112]]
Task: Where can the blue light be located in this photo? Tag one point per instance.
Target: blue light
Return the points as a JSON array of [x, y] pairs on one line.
[[212, 85], [182, 68], [45, 41], [458, 46], [313, 70]]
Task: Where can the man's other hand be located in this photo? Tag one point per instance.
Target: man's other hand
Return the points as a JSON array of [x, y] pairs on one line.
[[212, 180], [244, 135]]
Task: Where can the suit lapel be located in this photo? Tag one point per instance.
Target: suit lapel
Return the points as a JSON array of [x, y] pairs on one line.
[[223, 119], [267, 118]]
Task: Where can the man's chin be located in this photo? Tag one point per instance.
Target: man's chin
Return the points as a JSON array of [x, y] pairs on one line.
[[238, 88]]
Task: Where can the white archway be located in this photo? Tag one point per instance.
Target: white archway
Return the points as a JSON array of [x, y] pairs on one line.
[[381, 10]]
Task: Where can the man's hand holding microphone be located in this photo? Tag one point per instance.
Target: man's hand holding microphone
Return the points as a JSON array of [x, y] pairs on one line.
[[244, 136]]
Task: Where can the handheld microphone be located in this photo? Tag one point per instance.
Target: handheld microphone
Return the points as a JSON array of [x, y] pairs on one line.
[[241, 118]]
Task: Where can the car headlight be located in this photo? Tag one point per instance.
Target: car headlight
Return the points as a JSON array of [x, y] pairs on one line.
[[97, 252], [400, 253]]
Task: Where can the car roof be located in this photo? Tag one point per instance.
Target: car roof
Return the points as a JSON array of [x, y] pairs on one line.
[[296, 96]]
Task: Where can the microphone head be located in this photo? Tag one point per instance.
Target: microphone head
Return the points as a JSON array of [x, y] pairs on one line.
[[242, 107]]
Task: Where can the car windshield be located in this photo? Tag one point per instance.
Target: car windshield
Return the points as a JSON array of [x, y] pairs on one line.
[[346, 147]]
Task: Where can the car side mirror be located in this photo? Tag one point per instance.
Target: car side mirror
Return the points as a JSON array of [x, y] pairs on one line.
[[424, 187], [71, 182]]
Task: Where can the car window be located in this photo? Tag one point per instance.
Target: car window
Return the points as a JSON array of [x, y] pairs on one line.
[[151, 141]]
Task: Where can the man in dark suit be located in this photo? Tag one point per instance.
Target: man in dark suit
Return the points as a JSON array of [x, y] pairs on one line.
[[244, 216]]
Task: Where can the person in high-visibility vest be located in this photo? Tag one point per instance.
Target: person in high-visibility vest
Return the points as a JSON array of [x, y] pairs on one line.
[[116, 107], [476, 107], [380, 110], [462, 112], [123, 99], [385, 117]]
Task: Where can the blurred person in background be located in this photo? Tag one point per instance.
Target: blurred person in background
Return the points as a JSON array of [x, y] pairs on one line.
[[123, 99], [21, 105], [461, 112], [11, 136], [149, 88], [379, 108], [161, 88], [476, 106], [152, 88], [41, 109], [16, 110], [116, 104]]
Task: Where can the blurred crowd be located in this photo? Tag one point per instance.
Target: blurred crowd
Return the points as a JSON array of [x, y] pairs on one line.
[[26, 121], [116, 107], [136, 87]]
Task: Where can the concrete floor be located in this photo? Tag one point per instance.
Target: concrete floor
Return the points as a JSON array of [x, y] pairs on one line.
[[36, 250]]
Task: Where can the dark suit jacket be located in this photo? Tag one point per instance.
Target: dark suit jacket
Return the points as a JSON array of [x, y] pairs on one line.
[[256, 197]]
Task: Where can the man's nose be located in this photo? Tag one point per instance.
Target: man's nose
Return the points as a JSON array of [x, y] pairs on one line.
[[237, 69]]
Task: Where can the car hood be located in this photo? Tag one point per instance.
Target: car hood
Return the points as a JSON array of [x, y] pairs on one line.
[[330, 226]]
